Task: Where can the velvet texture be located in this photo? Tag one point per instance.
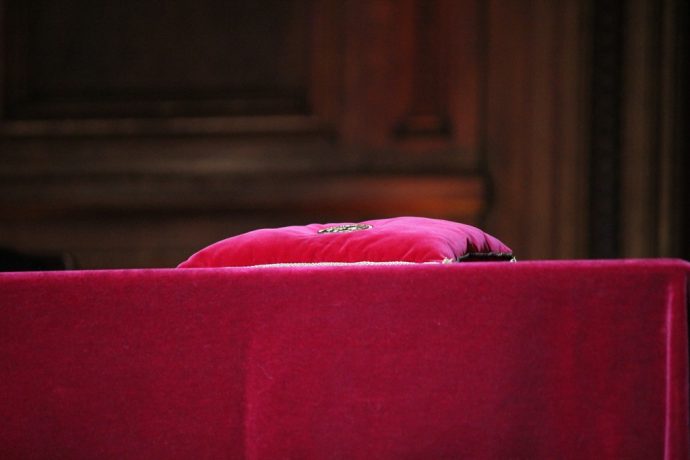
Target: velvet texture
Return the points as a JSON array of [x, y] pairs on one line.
[[536, 360], [406, 239]]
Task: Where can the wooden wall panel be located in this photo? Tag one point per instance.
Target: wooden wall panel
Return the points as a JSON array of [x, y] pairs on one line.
[[585, 122], [133, 133], [536, 131], [76, 58], [655, 169]]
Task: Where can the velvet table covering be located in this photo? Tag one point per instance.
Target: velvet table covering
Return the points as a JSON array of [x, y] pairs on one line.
[[538, 360]]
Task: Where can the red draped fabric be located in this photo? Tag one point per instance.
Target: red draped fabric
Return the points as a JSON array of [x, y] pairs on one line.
[[539, 360]]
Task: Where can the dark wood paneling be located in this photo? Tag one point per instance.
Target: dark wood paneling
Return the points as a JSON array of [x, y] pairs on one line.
[[608, 44], [414, 76], [536, 126], [586, 131], [77, 58], [133, 133], [654, 169]]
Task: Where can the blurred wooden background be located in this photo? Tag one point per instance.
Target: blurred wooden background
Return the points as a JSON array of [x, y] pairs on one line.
[[134, 132]]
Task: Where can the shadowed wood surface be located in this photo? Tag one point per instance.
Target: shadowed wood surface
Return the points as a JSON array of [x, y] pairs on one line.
[[182, 123]]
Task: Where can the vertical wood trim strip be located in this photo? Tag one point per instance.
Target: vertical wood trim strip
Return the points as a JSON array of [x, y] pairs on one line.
[[571, 148], [640, 130], [607, 80]]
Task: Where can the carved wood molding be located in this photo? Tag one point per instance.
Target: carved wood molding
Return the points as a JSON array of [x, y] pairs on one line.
[[427, 113], [169, 126], [413, 75], [330, 194]]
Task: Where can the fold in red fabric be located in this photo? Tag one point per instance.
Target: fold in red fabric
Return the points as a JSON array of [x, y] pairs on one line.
[[536, 360]]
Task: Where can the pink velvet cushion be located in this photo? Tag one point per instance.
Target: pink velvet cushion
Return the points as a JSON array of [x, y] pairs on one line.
[[401, 239]]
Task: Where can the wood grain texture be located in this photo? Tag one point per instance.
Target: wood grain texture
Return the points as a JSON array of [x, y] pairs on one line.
[[177, 125], [535, 126], [131, 134]]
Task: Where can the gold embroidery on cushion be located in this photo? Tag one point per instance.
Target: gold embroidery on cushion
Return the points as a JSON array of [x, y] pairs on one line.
[[345, 228]]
